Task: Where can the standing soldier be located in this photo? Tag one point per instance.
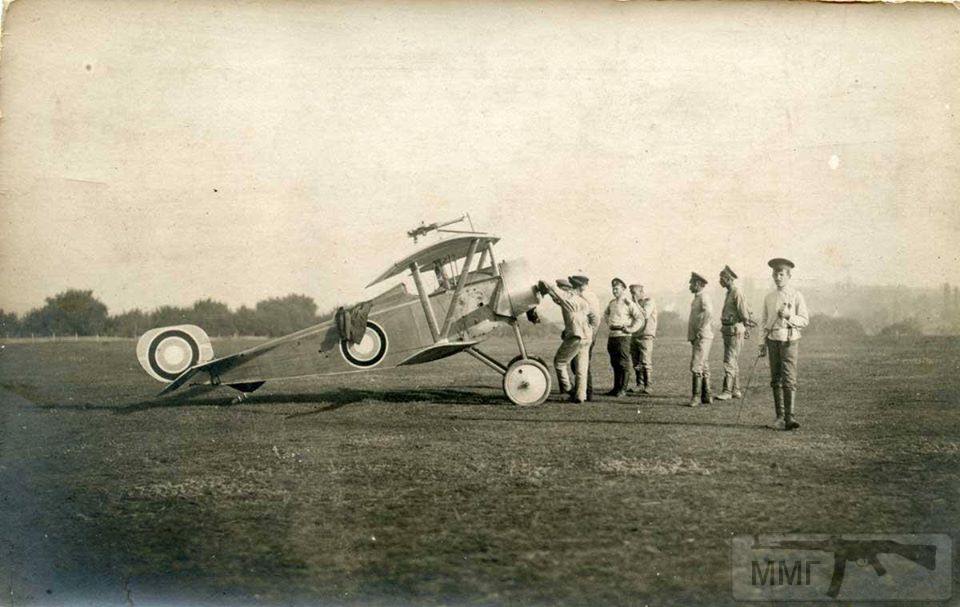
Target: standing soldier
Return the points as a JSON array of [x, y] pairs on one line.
[[700, 336], [735, 320], [576, 337], [624, 317], [641, 346], [784, 314], [583, 283]]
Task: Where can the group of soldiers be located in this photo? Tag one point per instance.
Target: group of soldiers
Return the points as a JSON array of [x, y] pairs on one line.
[[631, 317]]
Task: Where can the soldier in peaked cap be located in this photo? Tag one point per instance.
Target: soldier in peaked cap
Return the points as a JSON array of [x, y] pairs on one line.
[[700, 336], [641, 345], [583, 283], [735, 319], [576, 336], [624, 317], [784, 315]]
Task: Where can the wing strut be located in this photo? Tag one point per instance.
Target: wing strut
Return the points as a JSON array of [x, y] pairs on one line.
[[425, 302], [516, 327], [456, 292]]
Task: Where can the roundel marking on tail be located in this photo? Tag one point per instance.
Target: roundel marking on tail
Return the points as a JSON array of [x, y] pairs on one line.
[[371, 349], [172, 352], [166, 352]]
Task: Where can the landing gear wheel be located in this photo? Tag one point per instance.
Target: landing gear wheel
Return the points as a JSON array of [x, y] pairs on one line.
[[536, 358], [527, 382]]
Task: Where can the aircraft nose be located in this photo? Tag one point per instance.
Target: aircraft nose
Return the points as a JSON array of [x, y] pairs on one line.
[[519, 284]]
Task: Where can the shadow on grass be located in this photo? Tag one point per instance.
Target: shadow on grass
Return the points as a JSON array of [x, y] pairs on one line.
[[340, 398], [333, 399], [573, 420], [661, 400], [329, 399]]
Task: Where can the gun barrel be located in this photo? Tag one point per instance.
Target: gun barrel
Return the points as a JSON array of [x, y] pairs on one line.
[[425, 229], [452, 221]]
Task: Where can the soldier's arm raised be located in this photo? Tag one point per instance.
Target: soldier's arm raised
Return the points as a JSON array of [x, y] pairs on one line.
[[556, 296]]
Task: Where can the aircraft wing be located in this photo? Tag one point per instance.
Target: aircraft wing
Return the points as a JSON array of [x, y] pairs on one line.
[[215, 367], [452, 248], [436, 352]]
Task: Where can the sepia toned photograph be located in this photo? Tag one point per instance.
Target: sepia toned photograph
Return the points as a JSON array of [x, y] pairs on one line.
[[490, 303]]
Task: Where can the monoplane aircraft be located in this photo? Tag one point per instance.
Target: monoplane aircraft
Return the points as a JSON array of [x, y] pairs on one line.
[[394, 329]]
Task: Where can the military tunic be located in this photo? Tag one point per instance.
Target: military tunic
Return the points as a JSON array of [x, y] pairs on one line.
[[641, 347], [597, 312], [782, 335], [624, 317], [734, 319], [700, 334], [577, 335]]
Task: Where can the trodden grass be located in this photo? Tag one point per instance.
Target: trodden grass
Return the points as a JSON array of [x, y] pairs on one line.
[[424, 486]]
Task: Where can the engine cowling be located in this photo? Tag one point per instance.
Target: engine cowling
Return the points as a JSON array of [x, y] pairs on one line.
[[166, 352], [520, 286]]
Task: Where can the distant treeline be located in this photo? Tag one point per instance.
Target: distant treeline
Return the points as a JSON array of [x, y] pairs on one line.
[[78, 312]]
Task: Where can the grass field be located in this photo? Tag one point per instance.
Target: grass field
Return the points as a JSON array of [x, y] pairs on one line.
[[425, 486]]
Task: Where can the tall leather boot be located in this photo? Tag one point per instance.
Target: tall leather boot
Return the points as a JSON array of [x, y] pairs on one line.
[[789, 405], [616, 383], [620, 382], [590, 381], [705, 397], [639, 387], [695, 384], [778, 423], [727, 387], [735, 386], [563, 381], [646, 381]]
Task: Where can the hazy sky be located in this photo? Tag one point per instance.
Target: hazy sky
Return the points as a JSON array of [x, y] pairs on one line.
[[161, 152]]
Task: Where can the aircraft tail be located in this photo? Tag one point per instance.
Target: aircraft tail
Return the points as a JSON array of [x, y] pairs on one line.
[[166, 353]]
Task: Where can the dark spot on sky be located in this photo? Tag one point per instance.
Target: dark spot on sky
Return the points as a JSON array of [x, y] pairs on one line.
[[214, 189], [89, 67]]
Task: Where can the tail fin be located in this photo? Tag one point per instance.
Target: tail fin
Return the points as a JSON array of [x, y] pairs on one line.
[[166, 352]]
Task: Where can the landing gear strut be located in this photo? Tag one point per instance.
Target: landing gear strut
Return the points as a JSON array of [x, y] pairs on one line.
[[244, 389]]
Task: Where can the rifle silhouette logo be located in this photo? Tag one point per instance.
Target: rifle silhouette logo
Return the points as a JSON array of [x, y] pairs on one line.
[[863, 552]]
